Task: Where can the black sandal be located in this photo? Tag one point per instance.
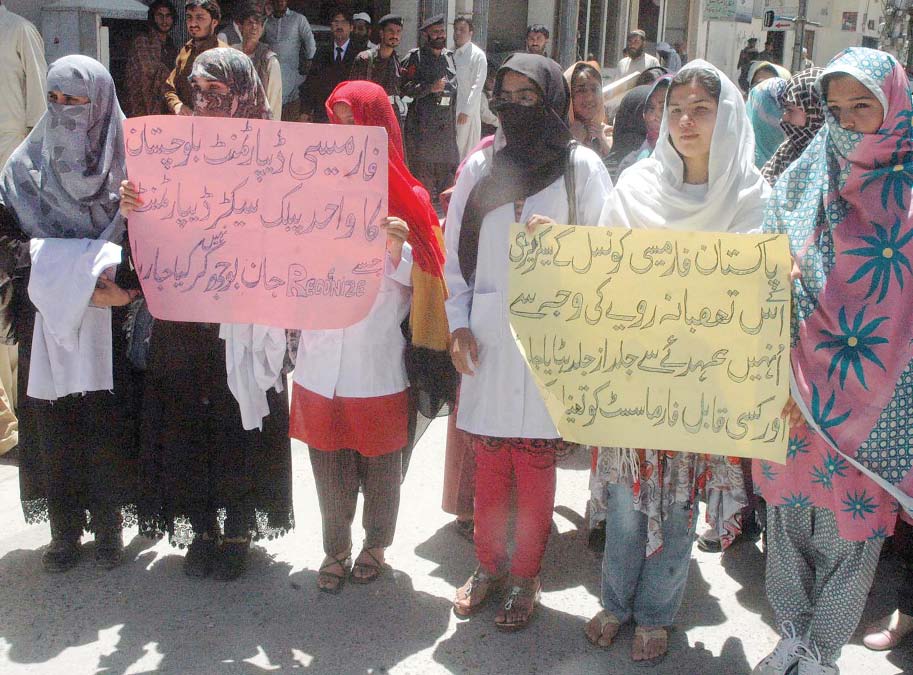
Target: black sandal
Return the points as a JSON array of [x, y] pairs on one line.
[[345, 564], [374, 569], [109, 548], [198, 560], [231, 560], [61, 556]]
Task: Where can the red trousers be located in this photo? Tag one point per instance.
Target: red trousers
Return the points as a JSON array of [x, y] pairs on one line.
[[498, 466]]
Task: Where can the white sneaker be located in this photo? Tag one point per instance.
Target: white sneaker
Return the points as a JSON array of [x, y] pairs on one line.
[[810, 663], [785, 655]]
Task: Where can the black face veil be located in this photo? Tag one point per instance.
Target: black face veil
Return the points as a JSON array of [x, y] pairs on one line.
[[534, 156]]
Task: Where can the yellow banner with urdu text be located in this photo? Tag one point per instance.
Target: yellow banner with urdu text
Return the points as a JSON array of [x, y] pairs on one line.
[[657, 338]]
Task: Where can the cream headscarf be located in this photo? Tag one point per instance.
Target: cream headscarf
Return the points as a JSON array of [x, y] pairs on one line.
[[651, 193]]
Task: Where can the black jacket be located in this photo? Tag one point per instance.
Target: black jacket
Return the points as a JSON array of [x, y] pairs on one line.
[[323, 77]]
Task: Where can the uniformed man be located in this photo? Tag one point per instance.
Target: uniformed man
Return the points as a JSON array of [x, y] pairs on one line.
[[381, 64], [429, 78]]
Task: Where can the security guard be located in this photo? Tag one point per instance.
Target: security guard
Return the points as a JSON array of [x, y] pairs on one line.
[[429, 78]]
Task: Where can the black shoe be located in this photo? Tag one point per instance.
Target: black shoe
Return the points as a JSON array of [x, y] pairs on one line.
[[708, 545], [62, 555], [200, 557], [109, 549], [231, 560]]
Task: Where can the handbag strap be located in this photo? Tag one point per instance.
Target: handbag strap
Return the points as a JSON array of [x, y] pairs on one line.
[[570, 184]]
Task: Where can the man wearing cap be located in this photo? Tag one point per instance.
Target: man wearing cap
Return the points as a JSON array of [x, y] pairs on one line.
[[471, 69], [361, 30], [637, 60], [332, 65], [380, 64], [429, 78], [202, 19], [746, 56], [290, 36]]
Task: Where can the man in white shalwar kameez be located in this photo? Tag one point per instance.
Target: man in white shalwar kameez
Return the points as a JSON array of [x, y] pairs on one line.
[[471, 70], [22, 80], [23, 100]]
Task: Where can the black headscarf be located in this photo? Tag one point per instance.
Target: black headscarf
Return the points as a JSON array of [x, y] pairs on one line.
[[534, 157], [630, 130]]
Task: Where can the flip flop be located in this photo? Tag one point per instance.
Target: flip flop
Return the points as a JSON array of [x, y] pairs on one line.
[[374, 569], [345, 564], [646, 635], [605, 619]]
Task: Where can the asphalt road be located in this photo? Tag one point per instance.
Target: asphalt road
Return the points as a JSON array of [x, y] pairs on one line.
[[146, 616]]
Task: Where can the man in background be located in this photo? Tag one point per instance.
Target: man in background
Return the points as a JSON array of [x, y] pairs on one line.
[[332, 65], [202, 19], [746, 56], [149, 62], [537, 39], [290, 36], [23, 100], [381, 64], [361, 31], [429, 78], [636, 59], [471, 70]]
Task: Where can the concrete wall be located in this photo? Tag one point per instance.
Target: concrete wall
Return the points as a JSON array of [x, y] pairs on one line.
[[727, 39], [30, 9], [408, 9]]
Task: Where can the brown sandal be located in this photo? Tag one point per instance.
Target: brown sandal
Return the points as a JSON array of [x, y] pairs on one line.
[[476, 592], [524, 595], [602, 621], [340, 579], [646, 636], [373, 569]]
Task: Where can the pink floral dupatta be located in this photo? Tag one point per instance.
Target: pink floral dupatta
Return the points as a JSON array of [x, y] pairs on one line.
[[846, 206]]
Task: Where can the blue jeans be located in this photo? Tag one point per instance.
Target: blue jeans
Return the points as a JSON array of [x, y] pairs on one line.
[[648, 589]]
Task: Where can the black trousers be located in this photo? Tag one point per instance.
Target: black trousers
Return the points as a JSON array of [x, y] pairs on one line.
[[436, 177]]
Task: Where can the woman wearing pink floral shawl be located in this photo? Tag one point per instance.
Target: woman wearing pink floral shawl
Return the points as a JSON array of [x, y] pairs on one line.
[[846, 206]]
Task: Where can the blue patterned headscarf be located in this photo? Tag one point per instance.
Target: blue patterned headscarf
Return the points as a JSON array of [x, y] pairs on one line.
[[765, 110], [63, 180], [846, 205]]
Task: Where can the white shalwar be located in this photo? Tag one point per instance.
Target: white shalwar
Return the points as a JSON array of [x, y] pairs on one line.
[[471, 71], [23, 70], [502, 399]]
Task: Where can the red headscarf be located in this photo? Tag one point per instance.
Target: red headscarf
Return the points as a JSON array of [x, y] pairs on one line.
[[409, 200], [431, 373]]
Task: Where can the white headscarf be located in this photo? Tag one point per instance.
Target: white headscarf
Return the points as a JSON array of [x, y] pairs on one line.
[[652, 194]]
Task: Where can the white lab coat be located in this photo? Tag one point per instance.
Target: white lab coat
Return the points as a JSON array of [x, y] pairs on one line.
[[23, 89], [471, 70], [71, 341], [502, 399], [364, 360]]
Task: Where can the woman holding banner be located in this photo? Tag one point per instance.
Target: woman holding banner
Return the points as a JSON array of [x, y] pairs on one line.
[[201, 457], [845, 204], [351, 402], [77, 423], [531, 176], [701, 177]]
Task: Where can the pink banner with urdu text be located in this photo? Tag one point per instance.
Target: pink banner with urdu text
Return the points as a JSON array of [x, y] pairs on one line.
[[254, 221]]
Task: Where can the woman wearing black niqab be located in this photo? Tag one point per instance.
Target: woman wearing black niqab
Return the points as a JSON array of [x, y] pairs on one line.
[[513, 437]]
